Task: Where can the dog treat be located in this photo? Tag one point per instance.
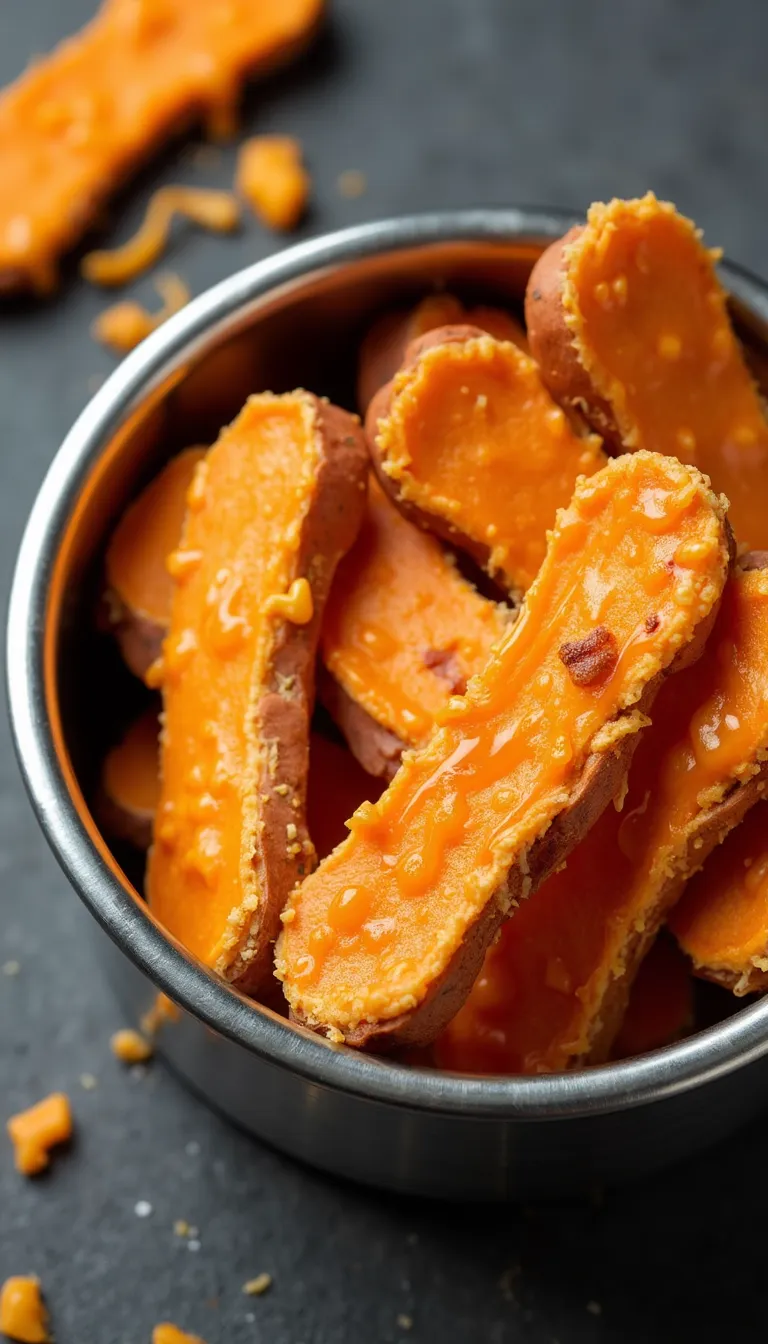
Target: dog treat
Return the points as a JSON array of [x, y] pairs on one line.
[[384, 346], [469, 444], [130, 783], [629, 325], [39, 1129], [139, 587], [336, 787], [78, 121], [565, 964], [273, 180], [23, 1316], [403, 631], [661, 1007], [274, 506], [385, 940], [123, 326], [722, 920], [216, 210]]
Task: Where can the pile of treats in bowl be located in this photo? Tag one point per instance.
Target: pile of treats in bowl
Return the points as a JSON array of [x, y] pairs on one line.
[[464, 721]]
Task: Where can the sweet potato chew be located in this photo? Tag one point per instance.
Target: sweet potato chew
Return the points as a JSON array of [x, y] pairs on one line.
[[629, 324], [385, 940], [469, 444], [275, 504], [139, 587], [77, 121], [721, 923], [565, 964], [130, 783], [384, 346], [403, 631]]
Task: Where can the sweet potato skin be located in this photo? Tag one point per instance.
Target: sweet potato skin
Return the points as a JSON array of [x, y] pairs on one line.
[[552, 344], [376, 748]]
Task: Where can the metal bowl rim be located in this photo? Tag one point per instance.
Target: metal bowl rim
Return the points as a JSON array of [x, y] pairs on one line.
[[710, 1054]]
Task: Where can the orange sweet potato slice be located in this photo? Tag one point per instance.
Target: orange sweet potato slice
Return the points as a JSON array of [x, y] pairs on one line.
[[138, 585], [629, 324], [469, 444], [565, 964], [383, 942], [403, 631], [274, 506], [77, 121], [130, 783], [722, 920], [384, 346]]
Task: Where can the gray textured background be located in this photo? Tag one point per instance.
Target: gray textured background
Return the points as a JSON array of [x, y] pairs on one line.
[[439, 102]]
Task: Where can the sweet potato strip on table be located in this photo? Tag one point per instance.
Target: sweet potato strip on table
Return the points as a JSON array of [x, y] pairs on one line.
[[469, 444], [139, 587], [722, 920], [402, 631], [77, 121], [629, 324], [563, 968], [387, 937], [273, 507]]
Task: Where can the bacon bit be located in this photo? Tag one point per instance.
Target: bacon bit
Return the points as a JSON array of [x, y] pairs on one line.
[[22, 1314], [273, 180], [652, 622], [444, 664], [592, 658], [165, 1333], [125, 324], [130, 1047], [216, 210], [33, 1132]]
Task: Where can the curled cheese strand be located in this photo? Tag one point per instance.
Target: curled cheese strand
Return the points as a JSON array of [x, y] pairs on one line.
[[216, 210]]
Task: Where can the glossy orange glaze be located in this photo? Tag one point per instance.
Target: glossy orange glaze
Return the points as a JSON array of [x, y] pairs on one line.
[[246, 507], [78, 120], [34, 1132], [397, 599], [147, 533], [23, 1316], [661, 1003], [722, 920], [124, 325], [272, 179], [132, 768], [473, 438], [379, 921], [336, 787], [650, 322], [538, 1005]]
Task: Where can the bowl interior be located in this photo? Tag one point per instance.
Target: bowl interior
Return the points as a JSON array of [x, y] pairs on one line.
[[297, 322]]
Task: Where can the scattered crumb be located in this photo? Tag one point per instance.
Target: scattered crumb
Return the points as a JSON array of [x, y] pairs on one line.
[[165, 1333], [142, 1208], [255, 1287], [272, 179], [22, 1313], [130, 1046], [594, 1309], [88, 1082], [34, 1132], [352, 183], [405, 1322], [163, 1010], [11, 967], [181, 1227]]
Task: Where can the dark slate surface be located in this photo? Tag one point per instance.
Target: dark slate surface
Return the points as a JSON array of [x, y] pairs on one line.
[[439, 102]]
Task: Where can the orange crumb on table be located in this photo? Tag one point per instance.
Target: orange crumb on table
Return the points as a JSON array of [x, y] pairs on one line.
[[165, 1333], [256, 1287], [123, 326], [130, 1047], [215, 210], [163, 1010], [77, 121], [272, 179], [35, 1131], [23, 1316]]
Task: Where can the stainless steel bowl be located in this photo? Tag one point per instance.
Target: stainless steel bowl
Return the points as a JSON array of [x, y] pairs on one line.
[[297, 319]]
